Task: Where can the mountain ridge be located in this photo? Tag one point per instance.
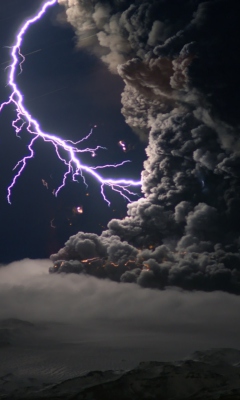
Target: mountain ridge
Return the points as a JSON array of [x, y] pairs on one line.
[[204, 375]]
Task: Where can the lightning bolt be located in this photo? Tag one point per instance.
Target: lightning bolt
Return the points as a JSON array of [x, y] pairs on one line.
[[70, 149]]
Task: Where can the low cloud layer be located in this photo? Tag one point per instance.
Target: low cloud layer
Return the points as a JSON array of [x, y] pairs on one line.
[[177, 322], [180, 66]]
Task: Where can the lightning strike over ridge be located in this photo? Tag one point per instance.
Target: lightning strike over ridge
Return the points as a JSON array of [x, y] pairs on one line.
[[74, 167]]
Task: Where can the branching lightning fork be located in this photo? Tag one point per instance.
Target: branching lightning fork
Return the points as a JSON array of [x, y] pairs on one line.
[[74, 167]]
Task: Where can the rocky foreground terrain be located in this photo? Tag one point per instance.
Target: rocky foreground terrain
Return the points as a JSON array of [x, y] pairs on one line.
[[213, 374], [30, 369]]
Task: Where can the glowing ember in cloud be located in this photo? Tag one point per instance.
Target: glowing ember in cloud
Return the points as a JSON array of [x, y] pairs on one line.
[[74, 167], [78, 210], [123, 145]]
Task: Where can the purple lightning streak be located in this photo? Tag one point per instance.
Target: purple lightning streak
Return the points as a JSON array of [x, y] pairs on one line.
[[74, 167]]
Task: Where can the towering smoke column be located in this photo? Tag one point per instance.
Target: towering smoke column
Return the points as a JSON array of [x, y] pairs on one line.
[[180, 65]]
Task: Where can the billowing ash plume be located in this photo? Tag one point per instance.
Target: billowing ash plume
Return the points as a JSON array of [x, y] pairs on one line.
[[180, 65]]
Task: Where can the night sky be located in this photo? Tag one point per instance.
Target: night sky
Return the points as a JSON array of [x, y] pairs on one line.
[[69, 92]]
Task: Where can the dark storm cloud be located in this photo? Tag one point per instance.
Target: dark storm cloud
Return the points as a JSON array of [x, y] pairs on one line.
[[119, 313], [181, 67]]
